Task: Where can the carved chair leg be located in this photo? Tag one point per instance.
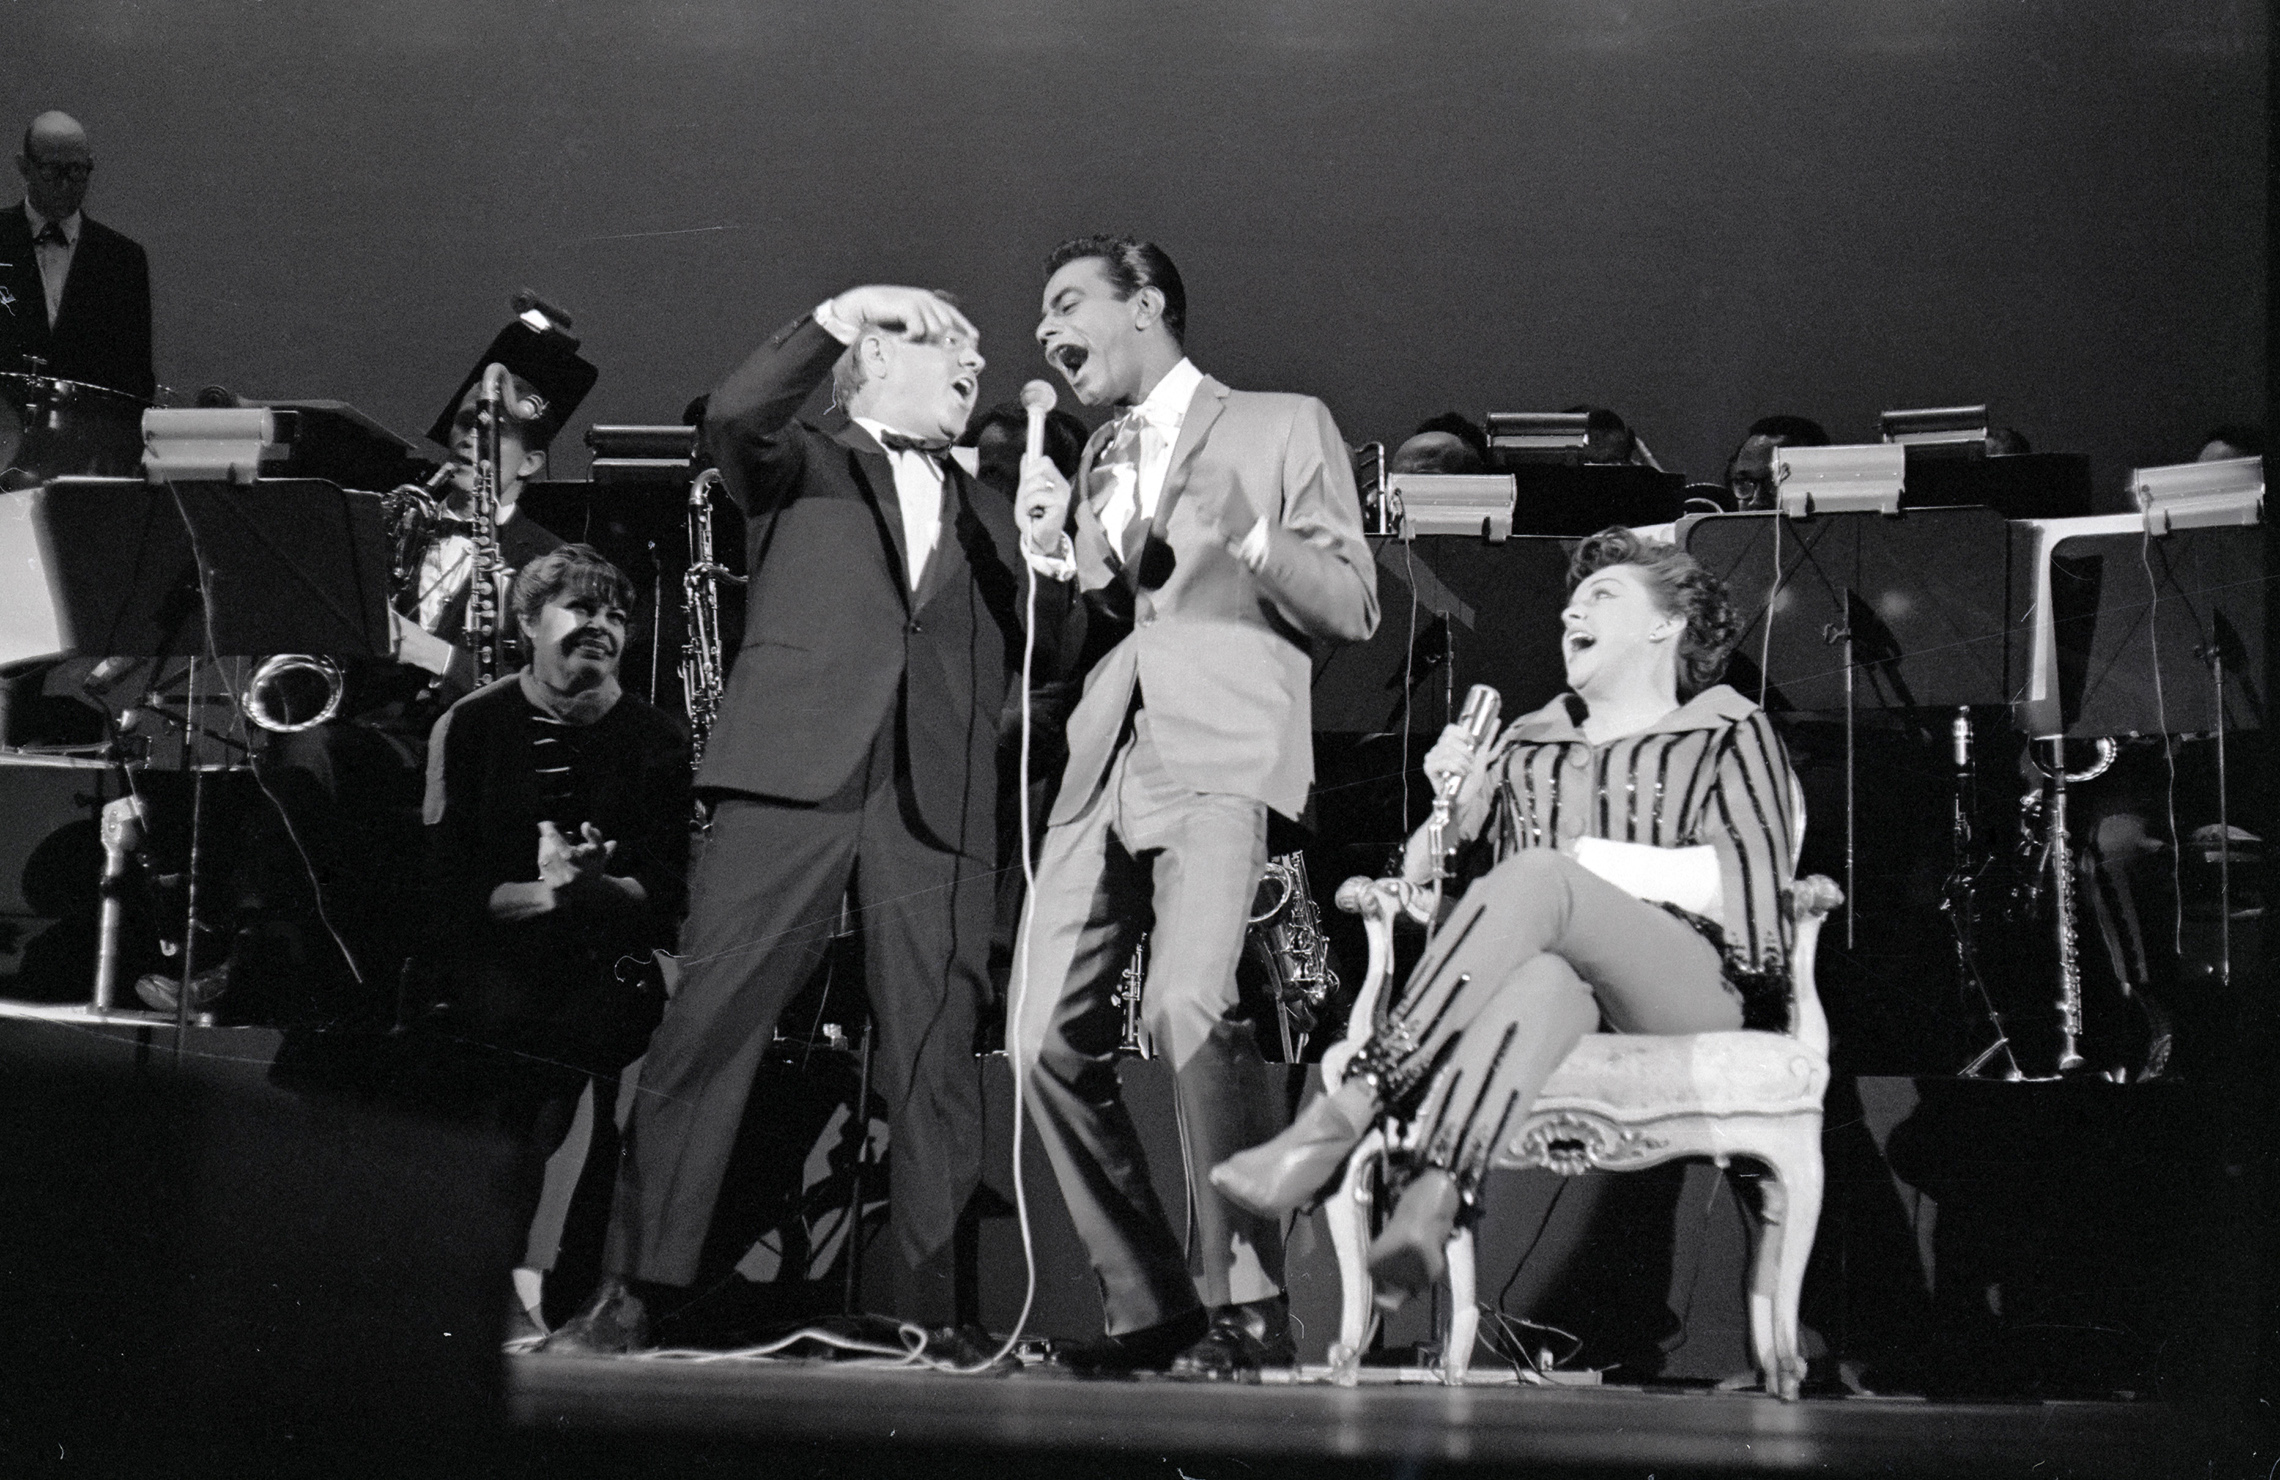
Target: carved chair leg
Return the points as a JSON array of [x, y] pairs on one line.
[[1463, 1325], [1348, 1214], [1788, 1220]]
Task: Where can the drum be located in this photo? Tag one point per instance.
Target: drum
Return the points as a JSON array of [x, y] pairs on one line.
[[53, 428]]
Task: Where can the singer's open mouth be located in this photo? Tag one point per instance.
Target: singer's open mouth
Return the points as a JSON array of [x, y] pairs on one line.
[[1068, 358], [1578, 641], [964, 387]]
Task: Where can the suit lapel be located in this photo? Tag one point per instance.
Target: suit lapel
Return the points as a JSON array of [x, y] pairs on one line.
[[875, 473], [1210, 399]]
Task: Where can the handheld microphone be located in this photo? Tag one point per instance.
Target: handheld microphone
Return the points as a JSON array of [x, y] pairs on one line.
[[1037, 398], [1483, 706]]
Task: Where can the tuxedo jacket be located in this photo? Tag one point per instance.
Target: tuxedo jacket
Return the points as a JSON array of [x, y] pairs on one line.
[[101, 333], [833, 633], [1222, 655]]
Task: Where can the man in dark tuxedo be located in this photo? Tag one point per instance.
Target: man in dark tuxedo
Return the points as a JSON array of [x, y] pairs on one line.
[[74, 294], [1218, 546], [857, 743]]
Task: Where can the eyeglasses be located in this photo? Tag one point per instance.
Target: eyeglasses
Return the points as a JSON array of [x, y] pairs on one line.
[[77, 174]]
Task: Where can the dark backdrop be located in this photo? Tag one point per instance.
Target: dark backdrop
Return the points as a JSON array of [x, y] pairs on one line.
[[1695, 210]]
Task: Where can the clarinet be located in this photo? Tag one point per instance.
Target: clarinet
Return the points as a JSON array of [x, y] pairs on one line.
[[488, 567]]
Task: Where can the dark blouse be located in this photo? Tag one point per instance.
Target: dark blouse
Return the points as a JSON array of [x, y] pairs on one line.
[[497, 765]]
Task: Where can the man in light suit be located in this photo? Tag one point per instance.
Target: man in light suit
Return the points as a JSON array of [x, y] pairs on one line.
[[74, 294], [1218, 546]]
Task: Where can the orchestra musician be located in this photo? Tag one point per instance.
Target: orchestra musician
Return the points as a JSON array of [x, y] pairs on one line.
[[855, 754], [74, 294], [1643, 827], [1218, 544]]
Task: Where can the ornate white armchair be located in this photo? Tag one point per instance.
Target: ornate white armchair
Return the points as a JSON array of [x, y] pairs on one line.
[[1623, 1102]]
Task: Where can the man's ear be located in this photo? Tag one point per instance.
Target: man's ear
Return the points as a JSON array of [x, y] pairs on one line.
[[1148, 307], [533, 463]]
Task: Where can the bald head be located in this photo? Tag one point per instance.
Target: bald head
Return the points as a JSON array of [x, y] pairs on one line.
[[55, 162]]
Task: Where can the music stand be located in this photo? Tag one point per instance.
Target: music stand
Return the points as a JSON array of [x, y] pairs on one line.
[[198, 570], [2161, 635], [1906, 612]]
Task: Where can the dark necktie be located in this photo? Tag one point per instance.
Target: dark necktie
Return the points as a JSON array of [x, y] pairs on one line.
[[51, 235]]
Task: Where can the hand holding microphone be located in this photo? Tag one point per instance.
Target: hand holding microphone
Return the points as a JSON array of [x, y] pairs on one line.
[[1451, 758], [1041, 503]]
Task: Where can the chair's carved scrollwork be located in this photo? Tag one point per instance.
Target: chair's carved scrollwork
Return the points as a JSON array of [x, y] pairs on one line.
[[1573, 1144]]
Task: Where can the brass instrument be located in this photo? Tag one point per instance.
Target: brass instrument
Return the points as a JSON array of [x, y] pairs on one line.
[[702, 675], [1285, 939], [290, 692]]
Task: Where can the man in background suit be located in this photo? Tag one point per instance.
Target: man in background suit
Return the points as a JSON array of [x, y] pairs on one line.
[[857, 742], [1218, 545], [74, 294]]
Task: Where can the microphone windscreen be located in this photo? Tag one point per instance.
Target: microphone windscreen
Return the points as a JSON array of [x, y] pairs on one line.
[[1039, 396]]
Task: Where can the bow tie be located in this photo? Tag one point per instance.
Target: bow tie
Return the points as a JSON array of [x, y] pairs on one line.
[[897, 442], [51, 235]]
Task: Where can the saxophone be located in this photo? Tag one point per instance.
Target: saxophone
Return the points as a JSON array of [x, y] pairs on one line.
[[1285, 940], [702, 679]]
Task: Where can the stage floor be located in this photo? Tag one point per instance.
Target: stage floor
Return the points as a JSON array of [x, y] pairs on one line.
[[912, 1422]]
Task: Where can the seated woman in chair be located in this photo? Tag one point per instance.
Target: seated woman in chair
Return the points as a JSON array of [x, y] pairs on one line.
[[1642, 845]]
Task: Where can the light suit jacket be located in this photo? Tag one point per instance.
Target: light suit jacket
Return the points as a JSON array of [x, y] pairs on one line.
[[1223, 656]]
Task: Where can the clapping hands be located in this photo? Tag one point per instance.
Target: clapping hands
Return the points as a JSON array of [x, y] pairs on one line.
[[563, 863]]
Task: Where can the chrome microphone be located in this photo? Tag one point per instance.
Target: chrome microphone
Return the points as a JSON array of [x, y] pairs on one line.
[[1037, 398], [1483, 707]]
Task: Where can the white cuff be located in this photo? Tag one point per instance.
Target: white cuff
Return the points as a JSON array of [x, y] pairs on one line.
[[1061, 565], [827, 318], [1252, 548]]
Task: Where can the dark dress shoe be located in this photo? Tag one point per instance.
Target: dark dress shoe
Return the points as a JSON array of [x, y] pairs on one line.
[[1241, 1340], [1149, 1349], [614, 1322], [1278, 1177]]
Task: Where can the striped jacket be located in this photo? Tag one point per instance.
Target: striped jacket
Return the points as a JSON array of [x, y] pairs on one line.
[[1711, 771]]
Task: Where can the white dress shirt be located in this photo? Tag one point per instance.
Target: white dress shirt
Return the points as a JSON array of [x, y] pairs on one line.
[[918, 489], [1122, 490], [55, 261]]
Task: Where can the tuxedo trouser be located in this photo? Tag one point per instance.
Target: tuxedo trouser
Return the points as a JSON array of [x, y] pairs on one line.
[[764, 901], [1145, 852]]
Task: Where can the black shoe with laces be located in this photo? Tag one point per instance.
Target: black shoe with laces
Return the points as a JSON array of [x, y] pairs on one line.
[[1240, 1340]]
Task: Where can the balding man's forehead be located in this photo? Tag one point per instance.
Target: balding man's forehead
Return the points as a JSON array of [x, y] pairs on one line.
[[53, 135]]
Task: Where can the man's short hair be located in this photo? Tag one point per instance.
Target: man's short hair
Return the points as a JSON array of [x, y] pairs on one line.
[[1789, 431], [1131, 264], [569, 571], [1459, 426], [2250, 440], [847, 373]]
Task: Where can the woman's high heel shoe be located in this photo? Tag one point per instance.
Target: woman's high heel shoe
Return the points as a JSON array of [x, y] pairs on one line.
[[1280, 1176], [1409, 1256]]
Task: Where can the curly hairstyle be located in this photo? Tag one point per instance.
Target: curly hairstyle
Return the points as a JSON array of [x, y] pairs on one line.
[[1681, 587]]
